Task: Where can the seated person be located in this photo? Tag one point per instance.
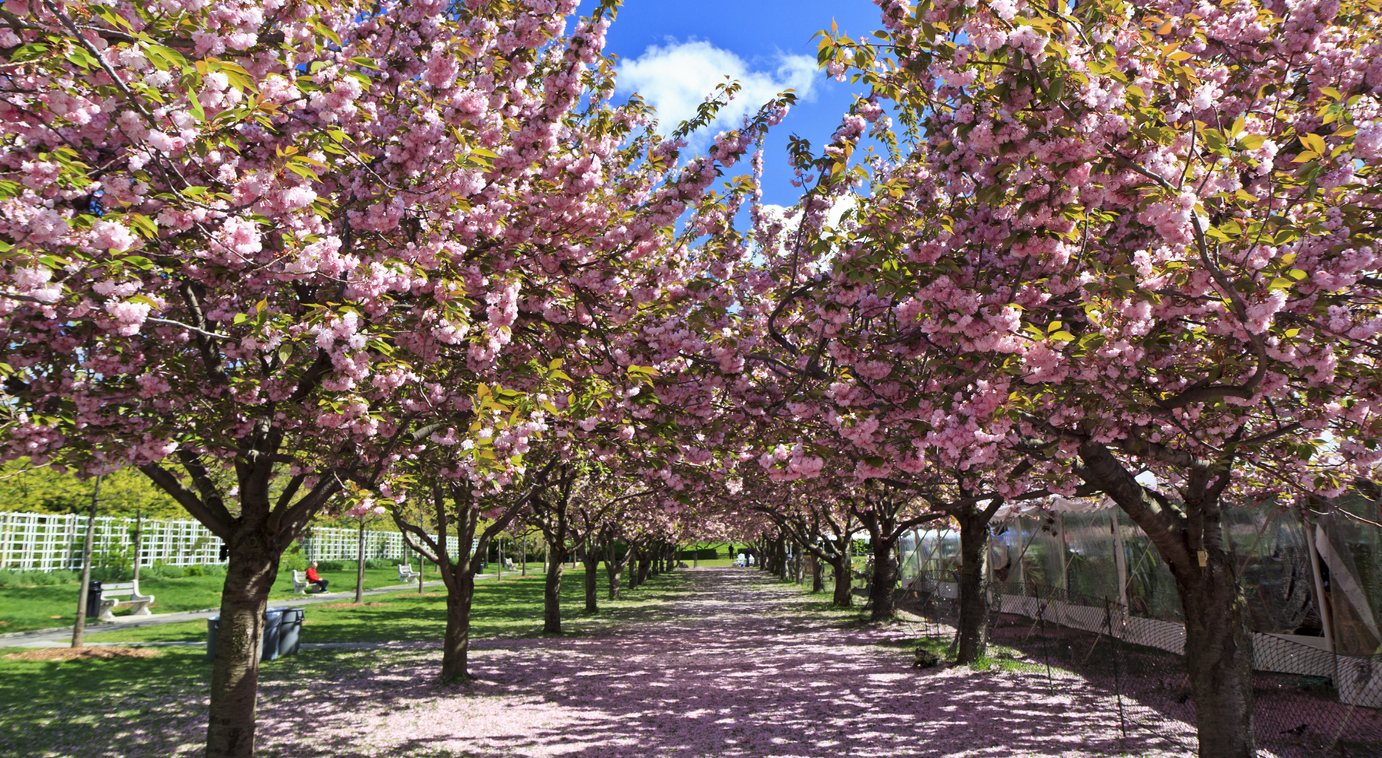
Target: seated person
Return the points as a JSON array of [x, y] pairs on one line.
[[314, 578]]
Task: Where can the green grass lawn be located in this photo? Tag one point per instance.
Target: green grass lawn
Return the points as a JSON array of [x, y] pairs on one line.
[[25, 608], [50, 708]]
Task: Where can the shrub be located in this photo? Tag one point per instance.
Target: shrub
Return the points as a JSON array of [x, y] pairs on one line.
[[194, 571], [331, 565], [18, 578], [293, 561], [381, 563]]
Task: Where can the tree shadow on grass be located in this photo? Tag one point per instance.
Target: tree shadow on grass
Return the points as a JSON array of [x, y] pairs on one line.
[[102, 707]]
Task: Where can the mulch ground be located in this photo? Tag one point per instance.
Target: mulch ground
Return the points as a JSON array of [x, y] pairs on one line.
[[74, 653]]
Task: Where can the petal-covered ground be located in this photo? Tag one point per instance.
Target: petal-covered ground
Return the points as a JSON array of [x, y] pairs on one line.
[[717, 662]]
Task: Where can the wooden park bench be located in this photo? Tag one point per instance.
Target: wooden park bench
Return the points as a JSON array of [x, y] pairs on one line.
[[112, 594], [406, 572]]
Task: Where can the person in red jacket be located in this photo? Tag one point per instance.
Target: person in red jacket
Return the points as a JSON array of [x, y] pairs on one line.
[[314, 578]]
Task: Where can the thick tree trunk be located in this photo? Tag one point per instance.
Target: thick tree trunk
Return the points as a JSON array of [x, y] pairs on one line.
[[1189, 536], [843, 597], [884, 578], [591, 560], [817, 581], [551, 593], [456, 645], [613, 569], [974, 605], [633, 559], [1218, 655], [250, 574], [645, 565]]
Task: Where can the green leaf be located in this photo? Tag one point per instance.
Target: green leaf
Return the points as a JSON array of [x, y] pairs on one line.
[[326, 31]]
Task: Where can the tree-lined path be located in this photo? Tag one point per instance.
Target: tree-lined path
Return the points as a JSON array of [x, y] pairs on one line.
[[715, 662]]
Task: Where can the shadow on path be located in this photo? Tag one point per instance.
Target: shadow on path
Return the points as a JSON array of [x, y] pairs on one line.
[[715, 662]]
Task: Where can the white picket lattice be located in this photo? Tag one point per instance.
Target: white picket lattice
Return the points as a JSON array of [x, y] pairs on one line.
[[328, 544], [49, 542]]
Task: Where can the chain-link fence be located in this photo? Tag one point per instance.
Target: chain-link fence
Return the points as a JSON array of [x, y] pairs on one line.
[[1308, 702]]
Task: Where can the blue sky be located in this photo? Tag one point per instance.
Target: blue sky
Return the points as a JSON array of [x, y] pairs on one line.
[[674, 52]]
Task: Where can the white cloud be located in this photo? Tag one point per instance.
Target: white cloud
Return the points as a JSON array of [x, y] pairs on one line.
[[676, 78], [833, 217]]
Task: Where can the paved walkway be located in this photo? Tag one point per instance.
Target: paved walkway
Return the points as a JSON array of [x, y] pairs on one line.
[[62, 636]]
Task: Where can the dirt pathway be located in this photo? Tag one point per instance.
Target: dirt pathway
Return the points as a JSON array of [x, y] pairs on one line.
[[715, 662]]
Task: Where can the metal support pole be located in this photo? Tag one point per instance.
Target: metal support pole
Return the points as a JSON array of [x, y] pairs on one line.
[[1120, 559]]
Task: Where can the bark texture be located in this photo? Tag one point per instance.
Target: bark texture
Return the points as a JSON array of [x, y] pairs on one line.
[[843, 596], [881, 595], [250, 574], [974, 604], [455, 652], [591, 561], [1188, 533], [614, 569], [551, 593]]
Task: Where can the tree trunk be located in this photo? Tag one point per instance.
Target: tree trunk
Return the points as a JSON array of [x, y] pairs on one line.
[[817, 581], [551, 593], [884, 580], [360, 566], [1218, 655], [613, 568], [843, 597], [591, 560], [974, 605], [79, 626], [1189, 537], [645, 565], [138, 541], [456, 645], [250, 574]]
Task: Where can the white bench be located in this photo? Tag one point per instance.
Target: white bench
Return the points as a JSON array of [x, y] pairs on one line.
[[508, 565], [406, 572], [111, 594], [300, 583]]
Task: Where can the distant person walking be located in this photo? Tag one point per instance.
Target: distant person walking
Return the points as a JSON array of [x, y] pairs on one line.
[[314, 578]]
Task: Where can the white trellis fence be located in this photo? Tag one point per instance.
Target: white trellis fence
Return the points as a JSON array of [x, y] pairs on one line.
[[48, 542], [328, 544]]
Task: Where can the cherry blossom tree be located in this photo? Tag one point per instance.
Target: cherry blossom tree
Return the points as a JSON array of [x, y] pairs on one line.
[[1155, 223], [232, 237], [253, 240]]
